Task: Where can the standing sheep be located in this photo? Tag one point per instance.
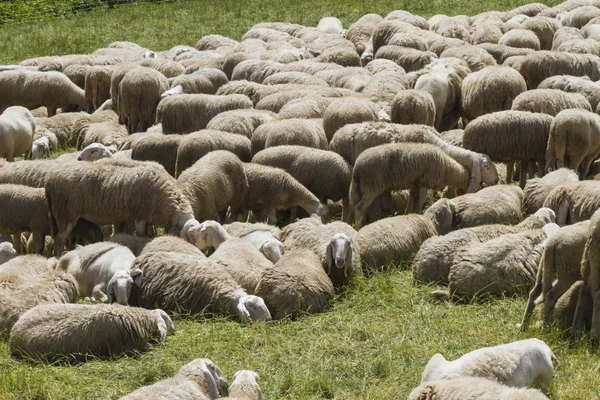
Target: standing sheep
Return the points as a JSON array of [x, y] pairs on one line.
[[413, 107], [544, 28], [575, 201], [161, 149], [520, 38], [299, 132], [97, 86], [17, 127], [541, 65], [243, 122], [549, 101], [341, 112], [574, 84], [537, 189]]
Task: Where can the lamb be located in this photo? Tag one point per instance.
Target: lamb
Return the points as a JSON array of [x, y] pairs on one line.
[[544, 28], [395, 240], [213, 183], [300, 132], [197, 144], [575, 138], [549, 101], [417, 166], [471, 389], [17, 127], [102, 264], [161, 149], [537, 189], [242, 122], [435, 256], [94, 152], [32, 89], [574, 202], [191, 112], [139, 96], [344, 111], [506, 265], [271, 188], [574, 84], [520, 38], [413, 107], [489, 90], [108, 185], [296, 284], [7, 252], [54, 331], [199, 379], [561, 261], [194, 286], [245, 386], [541, 65], [521, 364], [40, 148]]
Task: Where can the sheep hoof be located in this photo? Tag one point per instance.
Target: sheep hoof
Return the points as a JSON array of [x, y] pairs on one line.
[[440, 295]]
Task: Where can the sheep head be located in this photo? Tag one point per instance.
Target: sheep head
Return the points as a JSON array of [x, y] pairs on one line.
[[211, 235], [483, 170], [40, 148], [7, 252], [339, 253], [207, 375], [164, 323], [272, 249], [441, 213], [93, 152], [432, 369], [120, 285], [253, 308], [246, 380], [173, 91]]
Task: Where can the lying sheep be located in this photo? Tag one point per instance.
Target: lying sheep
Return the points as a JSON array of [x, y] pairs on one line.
[[101, 181], [7, 252], [199, 379], [23, 270], [54, 331], [296, 284], [435, 256], [537, 189], [191, 112], [245, 386], [17, 127], [194, 286], [471, 388], [574, 84], [413, 107], [341, 112], [543, 64], [574, 138], [102, 264], [263, 237], [574, 201], [521, 364], [214, 183], [549, 101], [242, 122]]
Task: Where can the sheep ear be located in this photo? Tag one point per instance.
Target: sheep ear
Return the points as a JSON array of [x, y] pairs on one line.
[[110, 292], [475, 180], [213, 393], [348, 260], [137, 276], [241, 307], [329, 256]]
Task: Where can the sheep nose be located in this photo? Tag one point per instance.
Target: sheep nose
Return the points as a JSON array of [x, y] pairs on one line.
[[78, 158], [339, 262]]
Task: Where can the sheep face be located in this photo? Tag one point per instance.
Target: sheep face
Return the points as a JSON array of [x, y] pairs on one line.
[[173, 91], [190, 231], [253, 308], [40, 148], [484, 171], [120, 285], [94, 152], [321, 210], [7, 252], [272, 249], [339, 253], [209, 235]]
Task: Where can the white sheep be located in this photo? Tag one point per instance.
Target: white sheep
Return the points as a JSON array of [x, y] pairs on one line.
[[102, 264], [265, 238], [40, 148], [17, 127], [244, 386], [472, 389], [7, 252], [95, 151], [330, 25]]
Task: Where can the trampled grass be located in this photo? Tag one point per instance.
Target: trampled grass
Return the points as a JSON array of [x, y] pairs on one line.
[[374, 341]]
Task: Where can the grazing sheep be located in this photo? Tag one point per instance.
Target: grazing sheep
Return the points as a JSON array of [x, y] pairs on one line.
[[200, 379], [537, 189], [213, 183], [296, 284], [467, 388], [33, 89], [343, 111], [102, 264], [521, 364], [544, 28], [501, 52], [574, 139], [308, 107], [194, 286], [7, 252], [489, 90], [168, 68], [76, 73], [196, 145], [161, 149], [17, 127], [435, 256], [107, 186], [549, 101], [520, 38], [242, 122], [415, 166], [541, 65], [475, 57], [413, 107], [54, 331], [407, 58], [97, 86], [561, 261], [574, 84], [191, 112], [299, 132], [40, 148], [395, 240]]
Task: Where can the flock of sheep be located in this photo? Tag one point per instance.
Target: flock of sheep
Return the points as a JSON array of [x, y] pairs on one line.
[[338, 140]]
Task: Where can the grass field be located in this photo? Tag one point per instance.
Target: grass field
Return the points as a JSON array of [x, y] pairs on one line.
[[377, 337]]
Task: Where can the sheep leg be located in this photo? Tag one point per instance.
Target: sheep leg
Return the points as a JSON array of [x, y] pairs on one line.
[[61, 238], [51, 111], [16, 239], [531, 167], [523, 174], [585, 169], [345, 208], [98, 294], [509, 171], [293, 214], [413, 199], [535, 292], [38, 242], [140, 228], [550, 300], [563, 212], [578, 317], [272, 216], [540, 170], [422, 199]]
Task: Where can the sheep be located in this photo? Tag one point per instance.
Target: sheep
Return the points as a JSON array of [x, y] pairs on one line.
[[540, 65], [213, 42], [102, 264], [574, 201], [574, 138], [276, 101], [501, 52], [347, 111], [263, 237], [530, 10], [23, 270], [574, 84], [168, 68], [139, 96], [405, 16], [108, 185], [395, 240], [308, 107], [245, 386], [106, 133], [561, 260], [417, 166], [32, 89], [115, 81], [435, 256], [199, 379], [213, 183], [383, 87], [296, 284], [578, 17], [271, 188], [17, 127], [544, 28], [76, 73], [194, 286], [242, 122], [323, 173], [471, 388], [549, 101], [564, 35], [54, 331], [506, 265], [300, 132], [413, 107], [143, 245], [40, 148], [510, 136], [298, 78], [197, 144], [341, 55], [407, 58], [521, 364], [97, 86], [564, 310], [537, 189], [489, 90], [161, 149], [475, 57], [7, 252], [191, 112], [67, 127], [520, 38]]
